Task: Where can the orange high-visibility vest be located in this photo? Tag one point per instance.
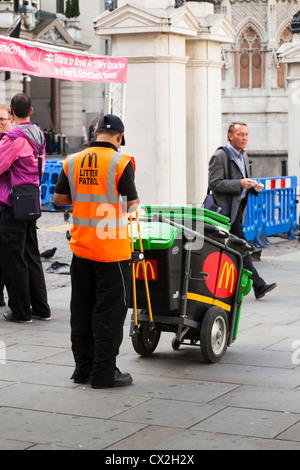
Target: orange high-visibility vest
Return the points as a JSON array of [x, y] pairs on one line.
[[100, 225]]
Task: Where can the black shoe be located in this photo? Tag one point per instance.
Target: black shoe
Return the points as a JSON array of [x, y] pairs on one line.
[[121, 380], [8, 316], [259, 293], [38, 317]]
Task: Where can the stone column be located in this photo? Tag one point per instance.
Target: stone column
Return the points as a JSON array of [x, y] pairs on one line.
[[71, 112], [155, 116], [293, 120], [203, 113]]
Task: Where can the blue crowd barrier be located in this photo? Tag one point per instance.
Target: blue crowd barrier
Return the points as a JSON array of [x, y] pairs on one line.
[[49, 180], [273, 211]]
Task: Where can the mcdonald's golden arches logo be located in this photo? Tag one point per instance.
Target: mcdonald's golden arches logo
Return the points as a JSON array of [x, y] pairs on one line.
[[222, 275], [151, 270], [227, 274]]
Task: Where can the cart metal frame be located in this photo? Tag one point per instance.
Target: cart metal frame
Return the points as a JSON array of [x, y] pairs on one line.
[[181, 324]]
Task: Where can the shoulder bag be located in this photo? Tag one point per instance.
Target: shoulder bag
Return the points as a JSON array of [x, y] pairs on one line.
[[26, 205], [209, 201]]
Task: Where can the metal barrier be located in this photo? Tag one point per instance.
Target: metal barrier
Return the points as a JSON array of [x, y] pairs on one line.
[[50, 176], [49, 179], [273, 211]]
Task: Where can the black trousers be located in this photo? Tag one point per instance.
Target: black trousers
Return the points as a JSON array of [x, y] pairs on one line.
[[21, 267], [99, 303], [237, 230], [1, 281]]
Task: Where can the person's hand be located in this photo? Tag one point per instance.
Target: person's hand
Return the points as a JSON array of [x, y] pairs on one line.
[[247, 183], [259, 186]]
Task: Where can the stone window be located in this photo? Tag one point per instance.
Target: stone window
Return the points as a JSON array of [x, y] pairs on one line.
[[249, 60], [60, 7], [29, 3]]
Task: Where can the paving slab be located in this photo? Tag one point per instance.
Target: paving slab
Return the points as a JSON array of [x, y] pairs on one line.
[[172, 439], [240, 374], [262, 398], [170, 413], [255, 423], [74, 432], [74, 402]]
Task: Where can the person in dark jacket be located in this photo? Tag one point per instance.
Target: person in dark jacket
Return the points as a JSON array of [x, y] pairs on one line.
[[232, 194], [19, 252]]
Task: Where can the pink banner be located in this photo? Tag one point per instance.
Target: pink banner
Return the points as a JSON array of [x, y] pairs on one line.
[[15, 56]]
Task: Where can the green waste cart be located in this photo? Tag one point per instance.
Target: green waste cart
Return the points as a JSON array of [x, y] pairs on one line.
[[196, 280]]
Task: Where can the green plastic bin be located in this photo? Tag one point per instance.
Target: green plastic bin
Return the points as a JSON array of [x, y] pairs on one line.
[[162, 245], [185, 213]]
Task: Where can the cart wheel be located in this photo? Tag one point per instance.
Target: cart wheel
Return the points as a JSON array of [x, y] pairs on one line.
[[214, 334], [175, 344], [145, 339]]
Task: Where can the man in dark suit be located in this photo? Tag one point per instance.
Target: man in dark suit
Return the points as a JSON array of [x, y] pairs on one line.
[[232, 194]]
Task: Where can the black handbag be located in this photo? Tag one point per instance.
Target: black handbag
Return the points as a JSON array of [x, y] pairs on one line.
[[209, 201], [26, 206], [210, 204]]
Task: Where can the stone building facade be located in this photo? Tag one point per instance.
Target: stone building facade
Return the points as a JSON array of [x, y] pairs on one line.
[[254, 85]]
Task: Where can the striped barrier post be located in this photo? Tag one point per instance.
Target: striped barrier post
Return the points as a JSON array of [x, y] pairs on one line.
[[273, 211]]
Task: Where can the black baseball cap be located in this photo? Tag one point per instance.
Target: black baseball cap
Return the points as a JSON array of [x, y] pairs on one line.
[[110, 121]]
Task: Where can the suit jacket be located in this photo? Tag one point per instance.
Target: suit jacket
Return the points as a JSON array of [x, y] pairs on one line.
[[227, 192]]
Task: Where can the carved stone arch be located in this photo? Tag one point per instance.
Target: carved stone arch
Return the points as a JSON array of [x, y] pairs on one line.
[[257, 28], [284, 35], [285, 26], [250, 55]]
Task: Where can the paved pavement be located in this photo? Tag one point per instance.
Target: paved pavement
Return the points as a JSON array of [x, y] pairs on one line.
[[250, 400]]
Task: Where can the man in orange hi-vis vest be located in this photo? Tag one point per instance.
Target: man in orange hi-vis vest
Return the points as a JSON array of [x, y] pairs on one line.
[[99, 182]]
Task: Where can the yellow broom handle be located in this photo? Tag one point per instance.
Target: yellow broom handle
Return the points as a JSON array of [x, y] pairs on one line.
[[144, 269], [133, 275]]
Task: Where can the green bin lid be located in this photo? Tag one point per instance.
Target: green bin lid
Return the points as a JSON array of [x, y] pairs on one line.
[[155, 235], [189, 213]]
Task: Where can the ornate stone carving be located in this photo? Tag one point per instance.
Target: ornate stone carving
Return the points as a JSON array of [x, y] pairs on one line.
[[255, 13], [53, 35]]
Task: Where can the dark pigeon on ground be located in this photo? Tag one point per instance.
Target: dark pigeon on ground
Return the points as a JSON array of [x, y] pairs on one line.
[[48, 253], [66, 216], [59, 268]]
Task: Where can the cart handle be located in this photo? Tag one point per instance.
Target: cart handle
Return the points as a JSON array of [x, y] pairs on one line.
[[230, 238], [193, 233], [239, 243]]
